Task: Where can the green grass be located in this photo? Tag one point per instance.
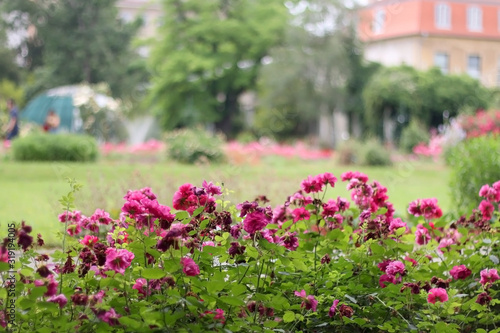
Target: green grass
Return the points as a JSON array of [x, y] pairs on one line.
[[30, 191]]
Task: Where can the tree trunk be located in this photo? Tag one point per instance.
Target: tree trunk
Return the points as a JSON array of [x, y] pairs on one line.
[[225, 125]]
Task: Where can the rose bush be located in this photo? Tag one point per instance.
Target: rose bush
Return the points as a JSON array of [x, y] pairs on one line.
[[308, 265]]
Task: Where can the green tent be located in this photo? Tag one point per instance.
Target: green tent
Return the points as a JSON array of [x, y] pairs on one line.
[[71, 104]]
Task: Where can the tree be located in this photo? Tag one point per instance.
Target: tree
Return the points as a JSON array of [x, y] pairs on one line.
[[307, 79], [80, 41], [209, 54]]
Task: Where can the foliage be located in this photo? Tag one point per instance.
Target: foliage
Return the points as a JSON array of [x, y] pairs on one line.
[[474, 162], [209, 54], [83, 41], [208, 265], [412, 135], [194, 145], [368, 152], [374, 153], [348, 152], [309, 71], [422, 95], [55, 147], [9, 69]]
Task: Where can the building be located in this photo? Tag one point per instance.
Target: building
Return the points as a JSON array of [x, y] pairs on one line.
[[151, 13], [458, 36]]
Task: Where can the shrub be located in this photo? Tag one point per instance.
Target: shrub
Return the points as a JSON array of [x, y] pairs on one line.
[[474, 162], [374, 153], [194, 145], [348, 152], [412, 135], [206, 265], [55, 147]]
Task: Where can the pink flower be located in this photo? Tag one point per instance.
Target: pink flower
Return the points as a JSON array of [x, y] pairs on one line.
[[328, 178], [255, 221], [460, 272], [219, 315], [184, 197], [89, 240], [211, 188], [427, 208], [74, 229], [386, 278], [413, 261], [101, 216], [333, 308], [445, 243], [394, 268], [330, 208], [74, 216], [59, 299], [491, 194], [139, 285], [308, 301], [437, 294], [396, 224], [301, 294], [189, 267], [118, 260], [290, 241], [486, 209], [354, 174], [489, 276], [383, 265], [312, 184], [422, 235], [110, 317], [300, 214]]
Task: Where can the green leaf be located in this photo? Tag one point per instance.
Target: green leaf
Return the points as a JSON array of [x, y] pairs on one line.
[[238, 289], [198, 211], [252, 252], [182, 215], [153, 273], [232, 300], [377, 249], [288, 317]]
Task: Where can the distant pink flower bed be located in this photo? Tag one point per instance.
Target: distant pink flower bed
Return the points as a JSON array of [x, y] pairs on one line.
[[257, 149], [151, 146]]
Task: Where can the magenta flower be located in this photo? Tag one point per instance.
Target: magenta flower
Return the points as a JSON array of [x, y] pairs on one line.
[[110, 317], [333, 308], [219, 315], [308, 301], [211, 188], [330, 208], [184, 198], [74, 229], [301, 294], [312, 184], [394, 268], [486, 209], [189, 267], [354, 174], [489, 276], [139, 285], [386, 278], [396, 224], [445, 243], [59, 299], [437, 294], [74, 216], [300, 214], [460, 272], [290, 241], [491, 194], [328, 178], [118, 260], [89, 240], [255, 221], [427, 208], [422, 235]]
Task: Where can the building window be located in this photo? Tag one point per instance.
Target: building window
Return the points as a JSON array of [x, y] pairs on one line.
[[474, 19], [474, 66], [442, 16], [442, 61], [378, 21]]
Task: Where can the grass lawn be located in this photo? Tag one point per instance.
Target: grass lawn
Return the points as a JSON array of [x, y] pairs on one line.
[[30, 191]]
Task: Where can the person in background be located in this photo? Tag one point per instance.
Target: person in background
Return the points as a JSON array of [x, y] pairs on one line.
[[51, 122], [13, 124]]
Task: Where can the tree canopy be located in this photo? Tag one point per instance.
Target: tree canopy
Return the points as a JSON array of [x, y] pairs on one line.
[[78, 41], [210, 53]]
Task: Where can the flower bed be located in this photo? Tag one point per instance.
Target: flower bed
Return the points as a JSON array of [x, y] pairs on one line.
[[309, 265]]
